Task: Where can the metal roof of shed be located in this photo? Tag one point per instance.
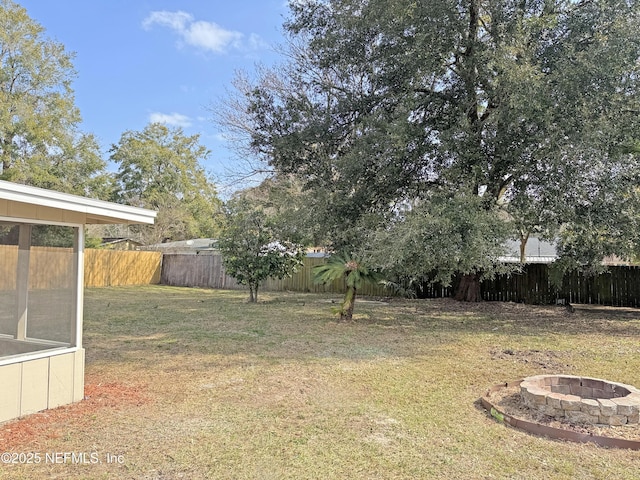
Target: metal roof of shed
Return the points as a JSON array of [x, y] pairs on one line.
[[26, 202]]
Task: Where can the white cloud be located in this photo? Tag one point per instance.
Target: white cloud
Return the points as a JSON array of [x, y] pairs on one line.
[[201, 34], [172, 119], [174, 20], [210, 36]]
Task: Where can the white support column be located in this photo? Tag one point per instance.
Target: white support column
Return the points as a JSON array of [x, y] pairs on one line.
[[78, 261], [22, 280]]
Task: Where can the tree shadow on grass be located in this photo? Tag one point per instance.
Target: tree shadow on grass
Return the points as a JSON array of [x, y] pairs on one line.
[[520, 319]]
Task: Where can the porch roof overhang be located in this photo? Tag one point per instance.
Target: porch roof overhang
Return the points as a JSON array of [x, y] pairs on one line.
[[26, 202]]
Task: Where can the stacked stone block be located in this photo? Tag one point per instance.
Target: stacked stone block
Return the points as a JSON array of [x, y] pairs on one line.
[[582, 399]]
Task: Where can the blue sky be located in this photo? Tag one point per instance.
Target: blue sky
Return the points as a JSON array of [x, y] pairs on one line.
[[163, 60]]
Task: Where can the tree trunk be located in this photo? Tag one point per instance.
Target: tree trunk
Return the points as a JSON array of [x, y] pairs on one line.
[[524, 238], [346, 312], [469, 289], [253, 294], [6, 159]]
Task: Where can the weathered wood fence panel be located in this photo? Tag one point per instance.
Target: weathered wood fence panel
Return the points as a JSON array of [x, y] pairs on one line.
[[619, 286], [205, 271], [208, 271], [529, 286]]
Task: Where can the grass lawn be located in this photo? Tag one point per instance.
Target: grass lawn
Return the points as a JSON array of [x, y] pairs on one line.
[[198, 384]]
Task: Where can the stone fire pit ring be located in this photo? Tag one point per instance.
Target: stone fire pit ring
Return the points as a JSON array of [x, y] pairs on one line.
[[582, 399]]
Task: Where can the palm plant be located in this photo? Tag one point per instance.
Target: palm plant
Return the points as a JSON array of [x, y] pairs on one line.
[[355, 274]]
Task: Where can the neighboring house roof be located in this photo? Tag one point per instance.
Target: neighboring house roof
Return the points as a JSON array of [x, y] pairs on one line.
[[194, 246], [541, 251], [201, 245], [536, 251], [26, 202]]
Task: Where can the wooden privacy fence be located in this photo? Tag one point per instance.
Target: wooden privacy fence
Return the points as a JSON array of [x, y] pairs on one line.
[[49, 267], [208, 271], [52, 267], [110, 268], [619, 286]]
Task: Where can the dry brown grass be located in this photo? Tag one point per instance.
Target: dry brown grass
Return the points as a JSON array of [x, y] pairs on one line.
[[199, 384]]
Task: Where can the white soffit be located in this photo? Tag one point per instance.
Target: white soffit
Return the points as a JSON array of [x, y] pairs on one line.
[[93, 211]]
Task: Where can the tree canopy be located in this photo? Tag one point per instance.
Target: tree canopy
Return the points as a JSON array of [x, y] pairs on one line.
[[442, 236], [40, 143], [159, 168], [383, 103]]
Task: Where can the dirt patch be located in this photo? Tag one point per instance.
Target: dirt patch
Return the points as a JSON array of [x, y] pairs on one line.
[[24, 431], [508, 401], [545, 359]]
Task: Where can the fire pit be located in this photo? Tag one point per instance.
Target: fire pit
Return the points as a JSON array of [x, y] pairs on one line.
[[582, 399]]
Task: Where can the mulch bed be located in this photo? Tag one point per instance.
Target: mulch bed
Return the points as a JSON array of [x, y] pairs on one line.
[[42, 425]]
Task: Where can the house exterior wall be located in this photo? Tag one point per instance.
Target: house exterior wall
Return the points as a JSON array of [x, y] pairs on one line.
[[32, 385]]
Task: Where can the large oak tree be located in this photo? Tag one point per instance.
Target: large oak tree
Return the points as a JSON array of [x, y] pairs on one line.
[[387, 103]]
